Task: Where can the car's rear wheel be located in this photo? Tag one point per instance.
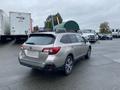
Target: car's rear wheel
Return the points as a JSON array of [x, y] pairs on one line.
[[87, 56], [68, 66]]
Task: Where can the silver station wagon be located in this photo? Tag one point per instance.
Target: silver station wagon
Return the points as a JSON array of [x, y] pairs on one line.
[[51, 50]]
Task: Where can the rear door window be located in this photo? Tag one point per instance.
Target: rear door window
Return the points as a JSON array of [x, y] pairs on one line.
[[70, 38], [41, 39], [65, 39]]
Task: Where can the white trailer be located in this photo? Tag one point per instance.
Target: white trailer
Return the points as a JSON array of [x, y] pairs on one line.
[[20, 24], [4, 26], [116, 33]]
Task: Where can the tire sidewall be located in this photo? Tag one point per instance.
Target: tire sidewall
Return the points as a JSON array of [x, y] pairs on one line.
[[88, 54], [65, 71]]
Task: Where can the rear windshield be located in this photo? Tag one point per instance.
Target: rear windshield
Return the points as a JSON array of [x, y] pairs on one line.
[[41, 39]]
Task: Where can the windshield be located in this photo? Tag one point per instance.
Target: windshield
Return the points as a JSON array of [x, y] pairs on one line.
[[41, 39]]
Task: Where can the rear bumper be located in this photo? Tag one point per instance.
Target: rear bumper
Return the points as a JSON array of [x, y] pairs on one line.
[[46, 65], [105, 38], [29, 63], [116, 36], [92, 39]]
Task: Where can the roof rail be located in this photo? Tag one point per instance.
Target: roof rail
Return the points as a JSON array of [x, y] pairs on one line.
[[59, 30]]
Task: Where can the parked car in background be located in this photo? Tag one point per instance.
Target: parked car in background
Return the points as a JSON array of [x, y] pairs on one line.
[[105, 36], [90, 35], [51, 50], [116, 33]]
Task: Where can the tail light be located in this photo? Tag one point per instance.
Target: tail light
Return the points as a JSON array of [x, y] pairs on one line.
[[52, 50]]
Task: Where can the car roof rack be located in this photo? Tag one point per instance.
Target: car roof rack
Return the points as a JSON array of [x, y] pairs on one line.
[[59, 30]]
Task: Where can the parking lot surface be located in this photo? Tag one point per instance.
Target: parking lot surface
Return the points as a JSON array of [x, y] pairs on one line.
[[101, 72]]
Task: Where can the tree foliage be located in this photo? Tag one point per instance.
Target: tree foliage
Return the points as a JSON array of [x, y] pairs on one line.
[[104, 27]]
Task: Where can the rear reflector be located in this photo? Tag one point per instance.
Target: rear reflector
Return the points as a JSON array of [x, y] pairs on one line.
[[52, 50]]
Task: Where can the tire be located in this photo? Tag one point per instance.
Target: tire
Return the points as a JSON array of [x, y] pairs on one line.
[[87, 56], [68, 66]]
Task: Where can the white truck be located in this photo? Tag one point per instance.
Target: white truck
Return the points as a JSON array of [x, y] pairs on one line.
[[20, 25], [89, 35], [4, 26], [116, 33]]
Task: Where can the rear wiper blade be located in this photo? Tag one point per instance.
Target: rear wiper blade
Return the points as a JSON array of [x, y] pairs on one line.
[[30, 43]]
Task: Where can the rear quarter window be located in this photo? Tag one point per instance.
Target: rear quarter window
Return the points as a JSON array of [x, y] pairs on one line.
[[80, 39], [73, 38]]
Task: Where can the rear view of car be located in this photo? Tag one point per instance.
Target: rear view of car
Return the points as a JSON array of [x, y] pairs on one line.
[[50, 51], [105, 36], [36, 50]]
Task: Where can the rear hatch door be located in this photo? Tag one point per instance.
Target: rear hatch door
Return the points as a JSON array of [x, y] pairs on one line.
[[36, 43]]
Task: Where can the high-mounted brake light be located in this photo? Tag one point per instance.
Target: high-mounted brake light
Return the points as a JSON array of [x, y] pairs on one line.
[[52, 50]]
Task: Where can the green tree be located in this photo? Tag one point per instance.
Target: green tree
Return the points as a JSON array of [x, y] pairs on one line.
[[104, 27]]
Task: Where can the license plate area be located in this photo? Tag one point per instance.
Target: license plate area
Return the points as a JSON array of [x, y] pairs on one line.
[[34, 54]]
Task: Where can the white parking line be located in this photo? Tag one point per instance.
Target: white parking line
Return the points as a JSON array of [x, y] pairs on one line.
[[117, 60]]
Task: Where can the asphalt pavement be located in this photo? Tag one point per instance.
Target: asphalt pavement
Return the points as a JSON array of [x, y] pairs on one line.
[[101, 72]]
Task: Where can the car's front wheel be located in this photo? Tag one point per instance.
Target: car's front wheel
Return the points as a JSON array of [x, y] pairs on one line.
[[68, 66]]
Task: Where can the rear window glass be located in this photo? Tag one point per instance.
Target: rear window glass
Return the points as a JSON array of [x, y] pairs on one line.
[[41, 39], [69, 39], [65, 39]]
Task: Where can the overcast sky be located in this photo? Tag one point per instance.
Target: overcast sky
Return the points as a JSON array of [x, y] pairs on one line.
[[88, 13]]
